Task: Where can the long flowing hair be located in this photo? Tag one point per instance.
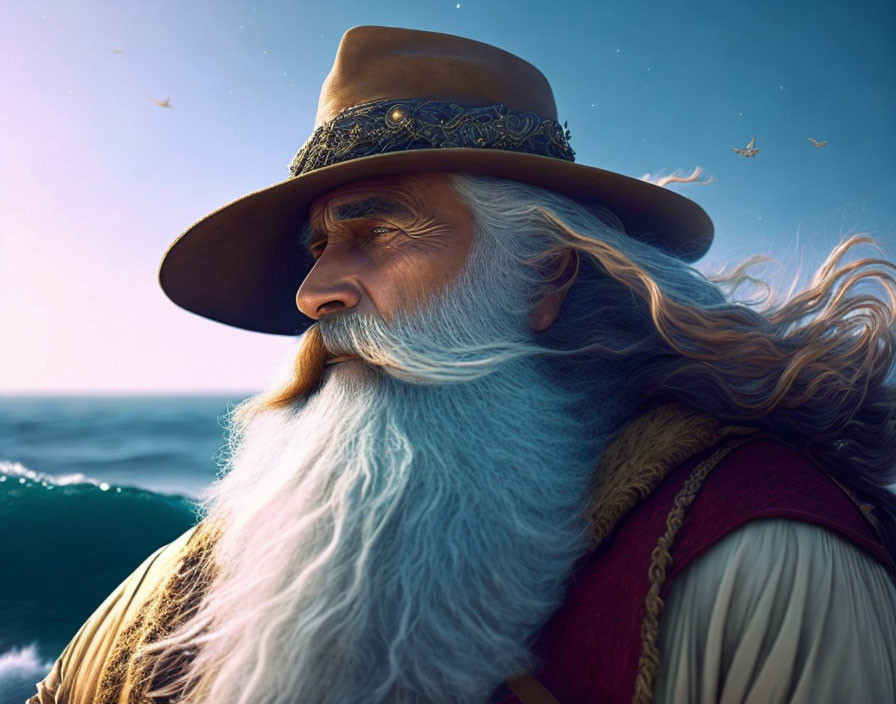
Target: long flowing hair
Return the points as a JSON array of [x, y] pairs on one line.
[[814, 368]]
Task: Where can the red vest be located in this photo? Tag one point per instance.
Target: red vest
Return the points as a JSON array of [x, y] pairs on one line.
[[589, 649]]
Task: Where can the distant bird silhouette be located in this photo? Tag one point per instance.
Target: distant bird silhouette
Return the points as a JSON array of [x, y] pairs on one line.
[[116, 51], [748, 151], [817, 144], [162, 103]]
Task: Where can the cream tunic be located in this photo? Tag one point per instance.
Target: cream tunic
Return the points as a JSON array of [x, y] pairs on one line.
[[778, 611]]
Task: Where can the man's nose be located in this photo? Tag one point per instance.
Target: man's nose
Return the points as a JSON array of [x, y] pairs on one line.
[[328, 288]]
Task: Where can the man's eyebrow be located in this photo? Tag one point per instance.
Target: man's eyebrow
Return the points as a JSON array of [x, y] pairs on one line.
[[358, 209], [370, 206]]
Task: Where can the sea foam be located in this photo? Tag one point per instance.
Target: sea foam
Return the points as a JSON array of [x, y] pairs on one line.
[[20, 669], [17, 472]]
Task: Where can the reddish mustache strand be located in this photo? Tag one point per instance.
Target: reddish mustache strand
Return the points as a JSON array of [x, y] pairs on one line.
[[307, 370]]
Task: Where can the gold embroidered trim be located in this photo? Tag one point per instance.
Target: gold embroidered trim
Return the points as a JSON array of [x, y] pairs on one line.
[[660, 560], [174, 603]]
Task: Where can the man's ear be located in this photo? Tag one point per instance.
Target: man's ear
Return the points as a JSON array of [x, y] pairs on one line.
[[559, 276]]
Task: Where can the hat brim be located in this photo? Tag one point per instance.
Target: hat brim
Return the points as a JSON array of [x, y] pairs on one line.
[[242, 264]]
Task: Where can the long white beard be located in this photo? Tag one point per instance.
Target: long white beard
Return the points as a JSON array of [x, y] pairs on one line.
[[396, 541]]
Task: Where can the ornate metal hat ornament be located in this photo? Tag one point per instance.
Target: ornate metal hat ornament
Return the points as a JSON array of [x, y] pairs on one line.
[[401, 101]]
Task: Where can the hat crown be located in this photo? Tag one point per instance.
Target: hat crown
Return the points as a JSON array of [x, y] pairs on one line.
[[384, 63]]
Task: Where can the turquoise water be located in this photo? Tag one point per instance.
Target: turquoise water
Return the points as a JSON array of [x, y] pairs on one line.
[[88, 488]]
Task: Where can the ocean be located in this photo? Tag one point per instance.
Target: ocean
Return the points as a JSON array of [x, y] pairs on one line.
[[89, 486]]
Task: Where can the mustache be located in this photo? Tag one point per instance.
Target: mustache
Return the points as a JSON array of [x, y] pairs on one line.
[[367, 337], [429, 347], [307, 370], [325, 341]]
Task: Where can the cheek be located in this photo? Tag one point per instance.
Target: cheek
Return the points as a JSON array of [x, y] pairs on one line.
[[410, 279]]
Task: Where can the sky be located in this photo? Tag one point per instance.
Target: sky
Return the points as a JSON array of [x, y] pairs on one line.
[[97, 179]]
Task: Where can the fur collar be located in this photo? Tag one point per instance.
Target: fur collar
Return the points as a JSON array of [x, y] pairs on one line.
[[643, 451]]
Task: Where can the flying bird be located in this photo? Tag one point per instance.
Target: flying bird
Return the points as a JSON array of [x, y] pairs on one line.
[[116, 51], [817, 144], [748, 151], [162, 103]]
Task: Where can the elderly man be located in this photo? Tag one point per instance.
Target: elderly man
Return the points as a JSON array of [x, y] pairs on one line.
[[527, 454]]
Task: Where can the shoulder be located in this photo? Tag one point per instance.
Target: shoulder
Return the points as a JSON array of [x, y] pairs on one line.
[[780, 610], [764, 479], [75, 675]]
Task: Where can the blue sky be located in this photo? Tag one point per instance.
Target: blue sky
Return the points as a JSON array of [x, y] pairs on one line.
[[97, 179]]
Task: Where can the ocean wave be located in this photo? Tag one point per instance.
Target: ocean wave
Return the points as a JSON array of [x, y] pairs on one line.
[[65, 547], [169, 483], [15, 471], [20, 669]]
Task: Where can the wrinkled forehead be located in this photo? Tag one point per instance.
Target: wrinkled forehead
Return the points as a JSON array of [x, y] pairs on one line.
[[409, 196]]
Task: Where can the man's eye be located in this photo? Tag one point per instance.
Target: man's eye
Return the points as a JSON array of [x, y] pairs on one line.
[[378, 231]]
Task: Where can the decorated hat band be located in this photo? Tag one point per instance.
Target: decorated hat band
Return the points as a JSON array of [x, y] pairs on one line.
[[386, 126]]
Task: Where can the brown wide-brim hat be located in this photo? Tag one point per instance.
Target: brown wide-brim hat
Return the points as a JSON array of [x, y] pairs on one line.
[[401, 101]]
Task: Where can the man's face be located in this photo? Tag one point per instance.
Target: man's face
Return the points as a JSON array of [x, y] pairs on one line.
[[384, 245]]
